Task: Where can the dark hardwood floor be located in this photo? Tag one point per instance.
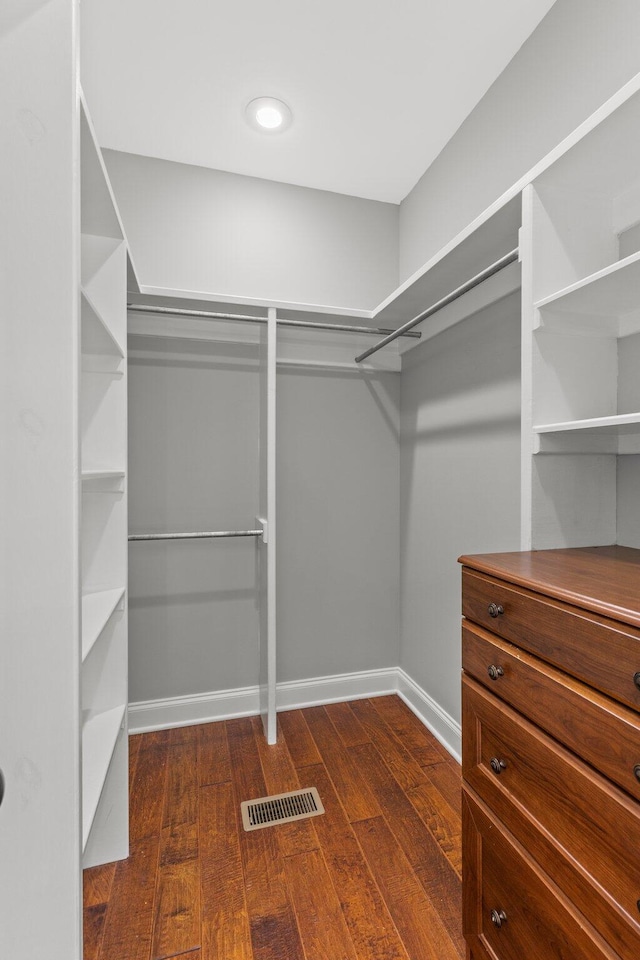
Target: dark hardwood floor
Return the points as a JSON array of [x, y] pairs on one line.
[[377, 877]]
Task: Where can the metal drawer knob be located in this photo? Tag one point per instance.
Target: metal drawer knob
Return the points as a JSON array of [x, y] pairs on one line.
[[1, 786], [495, 672], [636, 772], [497, 765], [636, 679], [498, 917], [495, 610]]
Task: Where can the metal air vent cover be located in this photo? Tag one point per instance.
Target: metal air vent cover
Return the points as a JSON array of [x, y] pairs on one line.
[[281, 808]]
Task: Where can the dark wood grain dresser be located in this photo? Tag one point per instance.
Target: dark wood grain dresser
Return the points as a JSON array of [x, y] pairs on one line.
[[551, 754]]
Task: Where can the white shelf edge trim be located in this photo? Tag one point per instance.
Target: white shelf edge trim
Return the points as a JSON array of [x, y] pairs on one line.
[[99, 737], [97, 474], [620, 266], [97, 609], [290, 305], [594, 423], [295, 695]]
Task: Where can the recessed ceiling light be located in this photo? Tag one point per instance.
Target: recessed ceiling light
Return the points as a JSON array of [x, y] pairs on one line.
[[268, 115]]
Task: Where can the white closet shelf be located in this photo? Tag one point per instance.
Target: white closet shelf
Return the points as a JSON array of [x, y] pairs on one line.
[[97, 609], [97, 337], [484, 241], [101, 473], [614, 424], [99, 737], [103, 480], [611, 293], [609, 435]]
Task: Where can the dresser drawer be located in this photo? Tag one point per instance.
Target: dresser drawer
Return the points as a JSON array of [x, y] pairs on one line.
[[601, 652], [583, 830], [598, 729], [501, 881]]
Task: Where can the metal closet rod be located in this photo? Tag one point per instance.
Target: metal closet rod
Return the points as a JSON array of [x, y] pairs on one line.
[[204, 535], [500, 264], [304, 324]]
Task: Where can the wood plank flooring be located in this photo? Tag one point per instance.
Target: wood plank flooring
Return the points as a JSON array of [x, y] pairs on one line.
[[377, 877]]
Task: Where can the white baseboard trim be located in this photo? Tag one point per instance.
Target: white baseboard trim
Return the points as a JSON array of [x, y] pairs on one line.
[[149, 715], [441, 724], [296, 694]]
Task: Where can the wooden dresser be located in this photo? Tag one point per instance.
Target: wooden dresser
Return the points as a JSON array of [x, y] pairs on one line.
[[551, 754]]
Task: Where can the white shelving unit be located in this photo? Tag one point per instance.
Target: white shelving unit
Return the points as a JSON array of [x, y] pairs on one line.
[[581, 339], [102, 416]]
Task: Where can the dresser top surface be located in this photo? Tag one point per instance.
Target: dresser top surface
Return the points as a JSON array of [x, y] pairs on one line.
[[605, 580]]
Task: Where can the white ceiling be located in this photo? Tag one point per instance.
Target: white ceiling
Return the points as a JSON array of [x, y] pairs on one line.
[[377, 87]]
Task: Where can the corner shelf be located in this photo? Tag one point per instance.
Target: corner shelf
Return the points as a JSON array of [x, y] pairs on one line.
[[97, 609], [99, 738]]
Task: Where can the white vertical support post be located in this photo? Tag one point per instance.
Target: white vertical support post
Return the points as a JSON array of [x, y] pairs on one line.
[[267, 545], [525, 244]]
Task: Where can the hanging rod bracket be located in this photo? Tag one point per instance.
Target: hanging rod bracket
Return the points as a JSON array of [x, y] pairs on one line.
[[264, 524]]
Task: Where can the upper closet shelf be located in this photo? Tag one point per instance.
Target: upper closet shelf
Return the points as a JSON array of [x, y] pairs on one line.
[[485, 241], [611, 296]]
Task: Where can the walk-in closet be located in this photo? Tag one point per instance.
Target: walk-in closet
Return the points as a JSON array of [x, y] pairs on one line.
[[273, 421]]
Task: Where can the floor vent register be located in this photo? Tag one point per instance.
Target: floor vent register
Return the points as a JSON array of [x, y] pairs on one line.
[[281, 808]]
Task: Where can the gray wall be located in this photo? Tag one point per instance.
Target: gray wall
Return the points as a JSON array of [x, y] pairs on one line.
[[205, 230], [338, 522], [193, 464], [460, 481], [193, 455], [580, 54]]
